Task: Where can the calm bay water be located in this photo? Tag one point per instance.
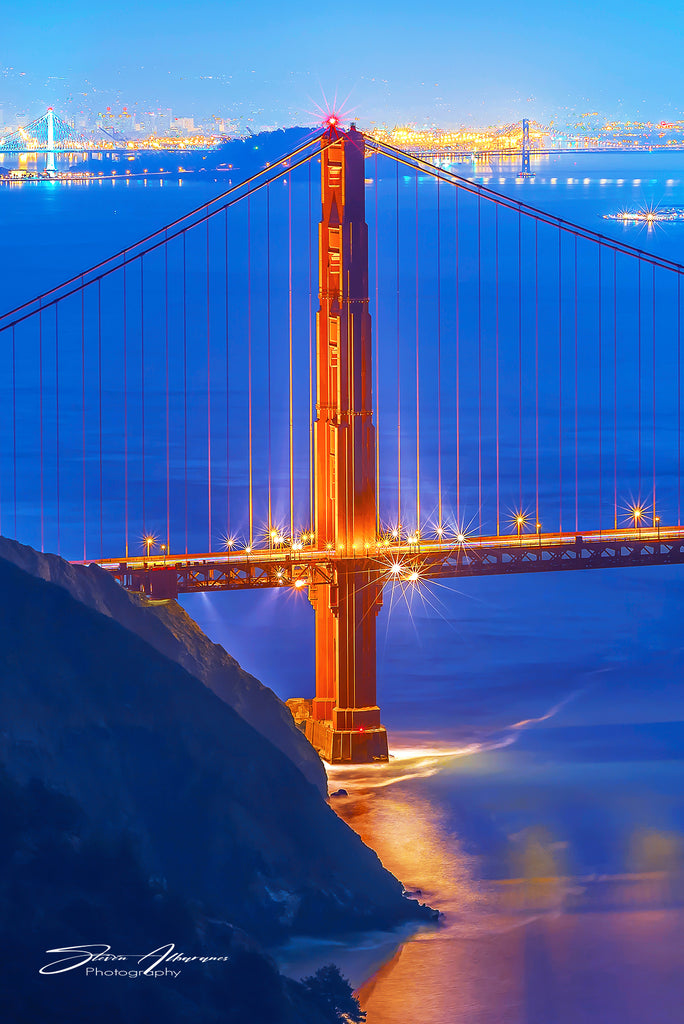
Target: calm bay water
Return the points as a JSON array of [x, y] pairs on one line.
[[537, 723]]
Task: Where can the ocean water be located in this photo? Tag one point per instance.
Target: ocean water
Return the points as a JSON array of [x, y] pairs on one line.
[[536, 723]]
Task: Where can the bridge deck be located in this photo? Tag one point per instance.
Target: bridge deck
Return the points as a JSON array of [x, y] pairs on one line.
[[404, 563]]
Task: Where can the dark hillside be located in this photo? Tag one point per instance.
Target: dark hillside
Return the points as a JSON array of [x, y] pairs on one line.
[[172, 632], [209, 804]]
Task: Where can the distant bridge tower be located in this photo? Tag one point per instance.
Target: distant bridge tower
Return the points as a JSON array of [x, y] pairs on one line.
[[50, 150], [345, 723], [525, 171]]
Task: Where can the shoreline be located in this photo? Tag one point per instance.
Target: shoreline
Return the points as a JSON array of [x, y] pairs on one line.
[[360, 956]]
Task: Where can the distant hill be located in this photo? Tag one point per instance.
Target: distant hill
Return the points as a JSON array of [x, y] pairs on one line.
[[253, 153], [236, 158]]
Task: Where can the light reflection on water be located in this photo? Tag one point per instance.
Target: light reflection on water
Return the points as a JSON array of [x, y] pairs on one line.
[[539, 947], [408, 831]]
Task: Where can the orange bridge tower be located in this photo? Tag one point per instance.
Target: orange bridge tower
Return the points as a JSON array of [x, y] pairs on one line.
[[345, 721]]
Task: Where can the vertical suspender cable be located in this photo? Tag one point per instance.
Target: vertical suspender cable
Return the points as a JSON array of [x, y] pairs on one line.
[[398, 370], [615, 392], [439, 366], [42, 483], [83, 413], [289, 267], [268, 349], [249, 366], [417, 379], [99, 409], [536, 374], [600, 390], [208, 397], [166, 387], [142, 385], [654, 389], [59, 532], [560, 380], [639, 368], [459, 526], [576, 403], [185, 388], [125, 398], [14, 423], [497, 395], [227, 389], [479, 364], [520, 505]]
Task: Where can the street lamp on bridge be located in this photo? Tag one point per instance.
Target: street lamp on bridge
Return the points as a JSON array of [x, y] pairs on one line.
[[637, 514]]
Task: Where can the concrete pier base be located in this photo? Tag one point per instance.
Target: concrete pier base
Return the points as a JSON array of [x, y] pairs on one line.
[[347, 746]]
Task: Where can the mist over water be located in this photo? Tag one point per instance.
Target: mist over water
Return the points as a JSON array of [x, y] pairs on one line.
[[534, 793]]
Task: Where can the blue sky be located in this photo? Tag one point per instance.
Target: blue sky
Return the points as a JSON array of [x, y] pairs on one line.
[[268, 62]]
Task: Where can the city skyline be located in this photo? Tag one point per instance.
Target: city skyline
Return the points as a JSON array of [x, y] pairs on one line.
[[269, 68]]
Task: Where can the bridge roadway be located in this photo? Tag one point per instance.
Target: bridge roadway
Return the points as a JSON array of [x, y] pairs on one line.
[[404, 563]]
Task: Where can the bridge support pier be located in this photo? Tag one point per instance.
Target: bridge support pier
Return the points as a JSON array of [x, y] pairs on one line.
[[345, 721], [50, 151]]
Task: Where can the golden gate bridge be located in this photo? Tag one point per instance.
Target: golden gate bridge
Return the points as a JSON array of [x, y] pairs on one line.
[[352, 371]]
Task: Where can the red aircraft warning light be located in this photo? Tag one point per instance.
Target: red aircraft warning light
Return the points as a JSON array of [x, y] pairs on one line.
[[332, 123]]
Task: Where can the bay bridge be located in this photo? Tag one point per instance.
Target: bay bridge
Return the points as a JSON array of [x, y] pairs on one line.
[[52, 136], [354, 371]]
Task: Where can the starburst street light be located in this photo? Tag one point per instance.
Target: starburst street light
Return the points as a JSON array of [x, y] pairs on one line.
[[519, 521], [149, 540], [637, 513]]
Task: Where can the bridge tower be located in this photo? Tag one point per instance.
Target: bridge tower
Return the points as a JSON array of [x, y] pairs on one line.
[[50, 149], [525, 171], [345, 721]]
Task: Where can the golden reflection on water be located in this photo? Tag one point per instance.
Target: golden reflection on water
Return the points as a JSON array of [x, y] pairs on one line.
[[407, 830], [539, 947]]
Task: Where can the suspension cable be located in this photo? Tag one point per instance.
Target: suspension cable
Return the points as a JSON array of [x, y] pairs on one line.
[[162, 235]]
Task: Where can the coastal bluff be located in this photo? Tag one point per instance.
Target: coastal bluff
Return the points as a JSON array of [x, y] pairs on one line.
[[172, 632], [212, 806]]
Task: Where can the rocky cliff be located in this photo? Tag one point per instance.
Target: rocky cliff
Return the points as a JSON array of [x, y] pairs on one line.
[[212, 807], [171, 631]]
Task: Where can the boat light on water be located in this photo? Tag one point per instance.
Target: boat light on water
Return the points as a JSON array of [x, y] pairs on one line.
[[666, 213]]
